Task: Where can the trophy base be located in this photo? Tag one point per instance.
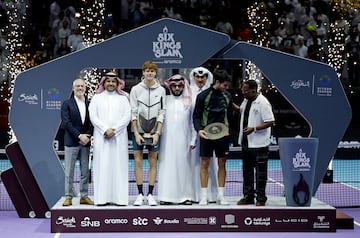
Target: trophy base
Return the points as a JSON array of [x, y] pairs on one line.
[[148, 141]]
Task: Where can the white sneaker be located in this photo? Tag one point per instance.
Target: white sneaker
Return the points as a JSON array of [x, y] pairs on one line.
[[151, 200], [139, 200], [222, 201], [203, 201]]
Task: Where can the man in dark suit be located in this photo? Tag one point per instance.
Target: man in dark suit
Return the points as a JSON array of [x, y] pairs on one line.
[[78, 130]]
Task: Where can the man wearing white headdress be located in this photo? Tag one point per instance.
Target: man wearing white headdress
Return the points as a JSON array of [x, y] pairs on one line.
[[175, 175], [110, 114], [201, 79]]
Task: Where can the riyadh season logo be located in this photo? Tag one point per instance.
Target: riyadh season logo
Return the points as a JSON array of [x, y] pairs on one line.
[[301, 162], [167, 48], [52, 102], [324, 80], [324, 88], [53, 93]]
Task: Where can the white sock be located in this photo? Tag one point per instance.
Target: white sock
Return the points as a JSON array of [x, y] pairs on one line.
[[221, 191], [204, 192]]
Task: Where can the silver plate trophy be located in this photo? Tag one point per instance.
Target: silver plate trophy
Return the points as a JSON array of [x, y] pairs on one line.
[[216, 130], [147, 126]]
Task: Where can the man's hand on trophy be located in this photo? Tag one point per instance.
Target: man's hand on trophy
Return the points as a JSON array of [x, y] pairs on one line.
[[139, 139], [155, 138]]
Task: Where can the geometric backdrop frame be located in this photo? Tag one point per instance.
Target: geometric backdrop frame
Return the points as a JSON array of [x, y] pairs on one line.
[[313, 89]]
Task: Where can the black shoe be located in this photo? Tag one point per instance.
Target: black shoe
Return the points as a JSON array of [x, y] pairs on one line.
[[166, 203], [260, 203], [187, 202], [246, 201]]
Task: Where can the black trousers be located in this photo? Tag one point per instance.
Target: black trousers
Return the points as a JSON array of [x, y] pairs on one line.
[[255, 165]]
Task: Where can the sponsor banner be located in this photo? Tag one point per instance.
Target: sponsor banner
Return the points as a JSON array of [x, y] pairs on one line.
[[47, 99], [184, 220]]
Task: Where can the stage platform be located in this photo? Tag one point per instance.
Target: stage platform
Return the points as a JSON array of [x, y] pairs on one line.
[[275, 216]]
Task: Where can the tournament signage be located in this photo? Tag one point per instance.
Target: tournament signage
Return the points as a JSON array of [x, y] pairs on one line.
[[298, 159]]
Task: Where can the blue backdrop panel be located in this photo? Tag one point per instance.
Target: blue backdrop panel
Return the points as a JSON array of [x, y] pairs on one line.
[[40, 91], [314, 90]]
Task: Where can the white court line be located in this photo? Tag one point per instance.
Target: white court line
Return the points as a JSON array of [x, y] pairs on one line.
[[357, 223], [274, 181], [57, 235], [347, 185]]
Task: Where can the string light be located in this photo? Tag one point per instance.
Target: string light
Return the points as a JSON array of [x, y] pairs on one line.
[[91, 77], [92, 26], [260, 24], [15, 61], [336, 57], [92, 22]]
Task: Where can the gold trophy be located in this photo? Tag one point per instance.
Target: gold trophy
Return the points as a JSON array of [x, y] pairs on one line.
[[147, 126]]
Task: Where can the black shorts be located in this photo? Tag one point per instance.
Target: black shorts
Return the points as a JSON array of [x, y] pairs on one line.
[[220, 146]]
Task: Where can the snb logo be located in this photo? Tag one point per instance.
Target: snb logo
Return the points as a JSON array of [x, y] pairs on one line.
[[139, 221], [87, 222]]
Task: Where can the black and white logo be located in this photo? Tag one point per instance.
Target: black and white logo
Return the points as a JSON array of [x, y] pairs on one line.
[[139, 221]]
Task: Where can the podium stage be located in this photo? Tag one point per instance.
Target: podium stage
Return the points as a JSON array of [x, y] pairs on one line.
[[275, 216]]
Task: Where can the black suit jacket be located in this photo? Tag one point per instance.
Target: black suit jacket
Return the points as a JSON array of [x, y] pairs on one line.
[[71, 122]]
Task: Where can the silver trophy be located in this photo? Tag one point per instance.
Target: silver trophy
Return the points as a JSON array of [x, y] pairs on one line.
[[147, 126]]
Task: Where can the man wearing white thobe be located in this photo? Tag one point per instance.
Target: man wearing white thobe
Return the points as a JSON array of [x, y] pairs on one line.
[[110, 115], [201, 79], [175, 174]]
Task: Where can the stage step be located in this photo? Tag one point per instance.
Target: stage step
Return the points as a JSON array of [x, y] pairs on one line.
[[344, 221], [275, 216]]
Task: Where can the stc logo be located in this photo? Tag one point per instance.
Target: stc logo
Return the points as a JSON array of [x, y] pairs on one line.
[[139, 221]]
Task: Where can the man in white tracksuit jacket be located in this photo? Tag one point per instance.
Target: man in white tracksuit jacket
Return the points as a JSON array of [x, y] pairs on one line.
[[147, 100]]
